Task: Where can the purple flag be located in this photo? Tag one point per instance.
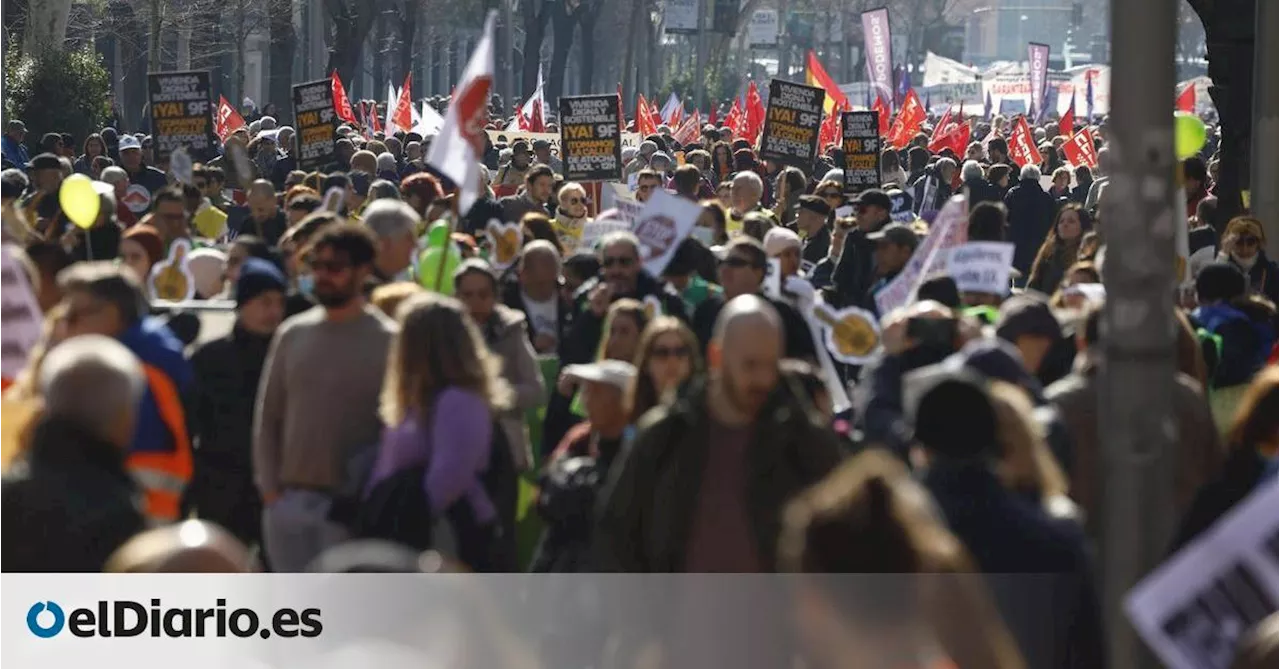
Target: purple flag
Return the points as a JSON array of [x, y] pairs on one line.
[[875, 35], [1038, 69]]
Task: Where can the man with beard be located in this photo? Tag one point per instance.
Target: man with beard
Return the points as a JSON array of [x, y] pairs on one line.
[[317, 405], [701, 489], [514, 172]]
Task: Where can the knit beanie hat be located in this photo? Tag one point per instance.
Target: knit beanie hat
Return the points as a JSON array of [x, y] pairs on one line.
[[149, 239], [258, 276]]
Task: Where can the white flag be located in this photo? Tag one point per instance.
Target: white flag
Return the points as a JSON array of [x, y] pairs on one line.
[[669, 109], [390, 126], [459, 148], [523, 122], [429, 122]]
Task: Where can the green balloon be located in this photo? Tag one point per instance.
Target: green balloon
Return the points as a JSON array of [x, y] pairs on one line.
[[437, 234], [429, 268], [1188, 134]]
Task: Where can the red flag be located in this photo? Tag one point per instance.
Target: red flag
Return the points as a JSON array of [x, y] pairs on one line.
[[755, 114], [688, 131], [733, 120], [229, 120], [677, 117], [882, 114], [375, 124], [910, 117], [1187, 99], [829, 131], [341, 103], [711, 119], [1022, 144], [1067, 124], [816, 75], [403, 114], [644, 118], [536, 124], [522, 121], [940, 130], [1081, 149]]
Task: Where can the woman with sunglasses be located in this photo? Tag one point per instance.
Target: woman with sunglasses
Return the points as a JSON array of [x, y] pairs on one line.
[[571, 215], [1242, 246], [668, 357]]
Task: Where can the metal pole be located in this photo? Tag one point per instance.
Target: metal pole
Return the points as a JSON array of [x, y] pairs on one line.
[[1262, 165], [1136, 417], [700, 76]]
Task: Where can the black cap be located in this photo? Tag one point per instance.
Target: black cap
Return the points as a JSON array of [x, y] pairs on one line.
[[541, 144], [815, 204], [1023, 315], [45, 161], [874, 197], [519, 146], [896, 233]]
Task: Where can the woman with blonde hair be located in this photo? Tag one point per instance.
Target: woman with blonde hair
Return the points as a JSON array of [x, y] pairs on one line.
[[1026, 464], [441, 395], [919, 606], [668, 357]]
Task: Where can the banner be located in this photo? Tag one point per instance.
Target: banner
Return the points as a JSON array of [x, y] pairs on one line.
[[314, 115], [939, 70], [1081, 149], [791, 125], [182, 114], [507, 137], [1193, 609], [680, 17], [228, 120], [1038, 69], [661, 225], [590, 146], [861, 151], [981, 267], [949, 230], [1022, 144], [877, 41]]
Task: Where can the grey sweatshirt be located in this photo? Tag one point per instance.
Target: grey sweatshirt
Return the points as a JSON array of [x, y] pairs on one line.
[[318, 399]]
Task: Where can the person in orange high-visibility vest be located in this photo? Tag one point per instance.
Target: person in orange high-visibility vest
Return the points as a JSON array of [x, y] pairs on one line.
[[104, 299]]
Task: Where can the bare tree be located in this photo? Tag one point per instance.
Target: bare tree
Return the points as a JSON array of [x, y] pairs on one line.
[[536, 14], [46, 24], [283, 44], [351, 21]]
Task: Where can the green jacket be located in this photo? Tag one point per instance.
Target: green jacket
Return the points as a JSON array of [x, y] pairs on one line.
[[647, 507]]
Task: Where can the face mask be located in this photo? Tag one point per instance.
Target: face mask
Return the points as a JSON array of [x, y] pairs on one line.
[[306, 284]]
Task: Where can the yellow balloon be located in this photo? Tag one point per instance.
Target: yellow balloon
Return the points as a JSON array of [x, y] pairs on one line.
[[80, 200]]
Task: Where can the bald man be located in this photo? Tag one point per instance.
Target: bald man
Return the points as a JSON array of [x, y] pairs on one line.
[[261, 216], [70, 501], [704, 482], [189, 547]]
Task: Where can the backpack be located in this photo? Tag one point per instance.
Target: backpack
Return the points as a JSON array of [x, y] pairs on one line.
[[397, 509]]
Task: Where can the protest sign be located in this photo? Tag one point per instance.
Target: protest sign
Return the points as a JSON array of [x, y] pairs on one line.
[[852, 334], [629, 139], [1193, 609], [861, 151], [661, 225], [618, 196], [593, 231], [949, 230], [791, 124], [505, 241], [317, 122], [591, 147], [20, 313], [181, 114], [981, 267], [171, 279]]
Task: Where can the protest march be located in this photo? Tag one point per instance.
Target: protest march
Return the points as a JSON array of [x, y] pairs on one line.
[[792, 331]]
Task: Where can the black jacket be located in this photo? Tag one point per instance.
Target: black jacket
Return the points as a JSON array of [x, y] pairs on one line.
[[980, 190], [584, 334], [564, 310], [69, 504], [815, 248], [645, 516], [1030, 217], [798, 340], [478, 217], [239, 222], [150, 178], [1039, 572], [856, 270]]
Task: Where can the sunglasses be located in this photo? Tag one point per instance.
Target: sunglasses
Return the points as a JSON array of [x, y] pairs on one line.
[[1249, 240], [329, 266], [665, 352], [574, 200], [737, 263], [621, 261]]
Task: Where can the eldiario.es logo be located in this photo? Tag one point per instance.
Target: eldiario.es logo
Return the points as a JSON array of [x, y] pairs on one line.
[[124, 618]]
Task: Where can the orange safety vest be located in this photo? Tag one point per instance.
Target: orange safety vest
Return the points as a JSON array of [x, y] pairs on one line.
[[164, 476]]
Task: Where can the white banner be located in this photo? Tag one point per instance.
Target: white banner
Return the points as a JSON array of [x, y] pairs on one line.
[[762, 31], [509, 136], [949, 230], [939, 70], [661, 225], [982, 267]]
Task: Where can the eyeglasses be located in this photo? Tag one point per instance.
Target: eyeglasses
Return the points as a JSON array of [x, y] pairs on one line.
[[621, 261], [329, 266], [664, 352], [737, 263]]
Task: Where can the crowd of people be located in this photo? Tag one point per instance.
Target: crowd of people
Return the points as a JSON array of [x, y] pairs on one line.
[[682, 422]]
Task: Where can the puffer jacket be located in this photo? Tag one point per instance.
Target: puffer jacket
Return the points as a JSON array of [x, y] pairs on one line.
[[505, 332]]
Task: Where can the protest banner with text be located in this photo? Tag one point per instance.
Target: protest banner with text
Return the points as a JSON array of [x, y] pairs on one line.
[[861, 144], [590, 144], [791, 124], [182, 114], [317, 121]]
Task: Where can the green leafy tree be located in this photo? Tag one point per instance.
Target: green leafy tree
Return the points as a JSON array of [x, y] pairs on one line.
[[57, 91]]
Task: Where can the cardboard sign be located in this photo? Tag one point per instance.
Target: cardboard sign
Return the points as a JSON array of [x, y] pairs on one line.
[[981, 267], [662, 224], [618, 196], [505, 240], [861, 144], [1193, 609], [591, 147], [171, 278], [949, 230], [182, 114], [316, 123], [791, 124], [852, 334], [20, 314]]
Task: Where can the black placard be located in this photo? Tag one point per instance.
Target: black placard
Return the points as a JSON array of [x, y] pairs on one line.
[[791, 124], [590, 145], [861, 143], [182, 114], [316, 121]]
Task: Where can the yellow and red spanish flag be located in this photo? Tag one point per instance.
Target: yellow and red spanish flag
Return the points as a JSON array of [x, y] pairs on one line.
[[816, 75]]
